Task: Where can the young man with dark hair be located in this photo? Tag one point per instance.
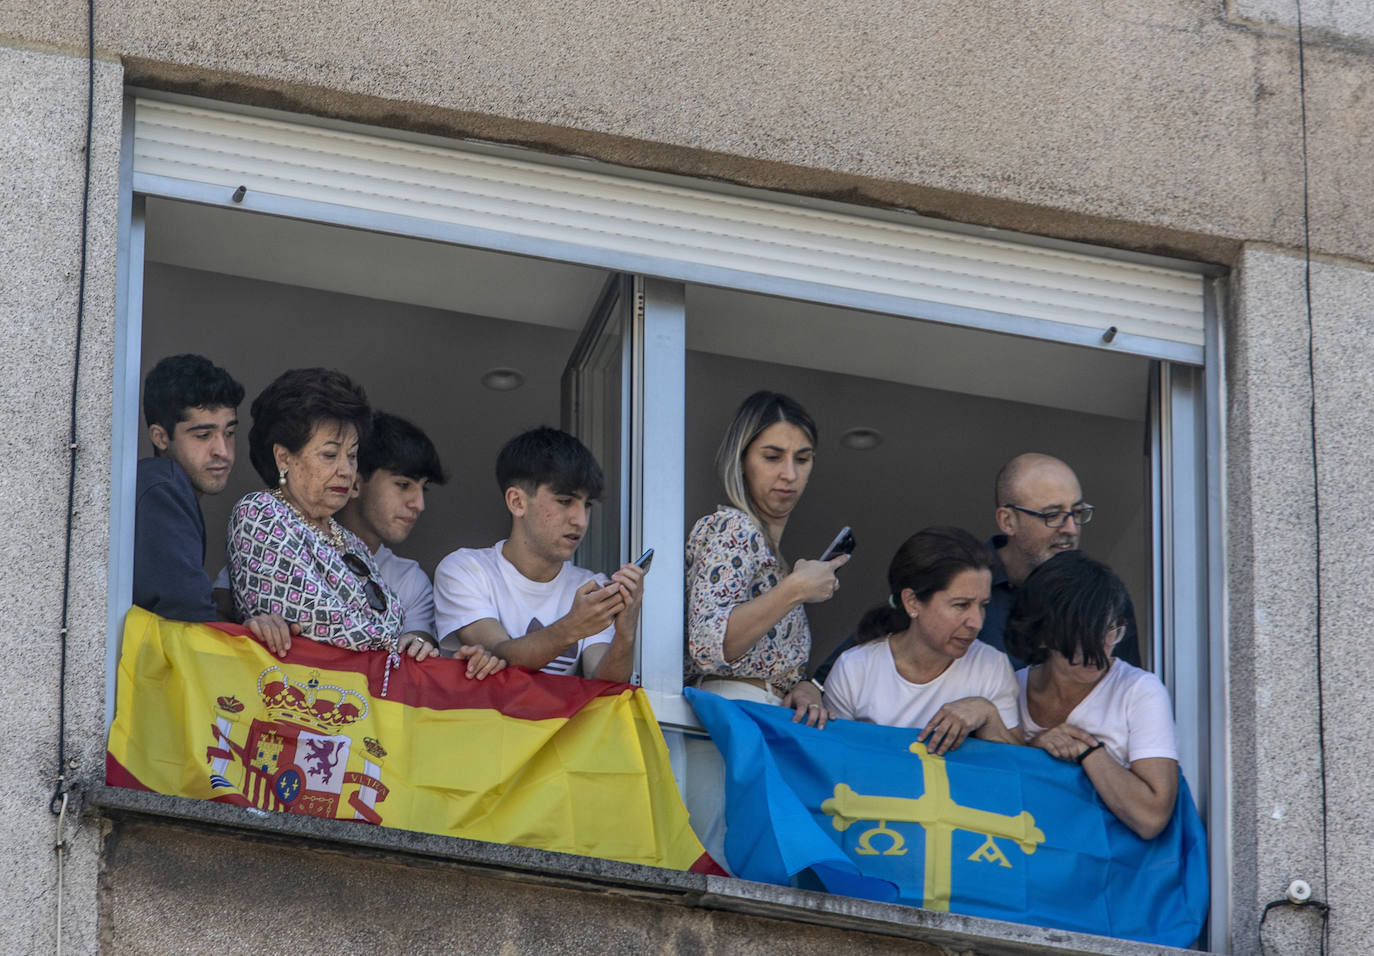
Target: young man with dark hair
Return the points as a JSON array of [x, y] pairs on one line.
[[396, 464], [191, 407], [523, 598]]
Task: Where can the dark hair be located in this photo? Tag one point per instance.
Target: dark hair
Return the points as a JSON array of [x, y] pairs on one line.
[[1065, 605], [400, 447], [179, 382], [756, 413], [547, 456], [926, 563], [299, 401]]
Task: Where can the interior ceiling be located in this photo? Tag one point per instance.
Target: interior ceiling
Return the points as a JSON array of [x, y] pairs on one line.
[[720, 321]]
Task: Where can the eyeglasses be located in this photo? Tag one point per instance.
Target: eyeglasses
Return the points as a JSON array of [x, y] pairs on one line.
[[1055, 519], [376, 597], [1113, 636]]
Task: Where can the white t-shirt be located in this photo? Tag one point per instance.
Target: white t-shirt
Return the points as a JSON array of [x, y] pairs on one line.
[[1129, 711], [472, 584], [864, 685], [405, 577]]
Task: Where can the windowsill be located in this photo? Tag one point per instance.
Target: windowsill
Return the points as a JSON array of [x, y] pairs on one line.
[[499, 861]]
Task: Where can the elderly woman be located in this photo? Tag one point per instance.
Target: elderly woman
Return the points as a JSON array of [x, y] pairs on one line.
[[1081, 706], [747, 633], [918, 662], [289, 560], [287, 554]]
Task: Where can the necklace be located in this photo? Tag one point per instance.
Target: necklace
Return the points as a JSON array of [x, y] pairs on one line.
[[334, 535]]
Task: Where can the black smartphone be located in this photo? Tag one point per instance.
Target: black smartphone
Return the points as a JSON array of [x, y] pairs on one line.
[[843, 544], [643, 561]]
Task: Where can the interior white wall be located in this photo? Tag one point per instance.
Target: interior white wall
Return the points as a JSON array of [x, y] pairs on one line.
[[421, 363], [936, 466]]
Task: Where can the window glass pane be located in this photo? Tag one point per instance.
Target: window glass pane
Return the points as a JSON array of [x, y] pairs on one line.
[[951, 406], [205, 292]]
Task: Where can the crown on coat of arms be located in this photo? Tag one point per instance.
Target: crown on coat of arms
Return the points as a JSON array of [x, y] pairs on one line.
[[318, 706]]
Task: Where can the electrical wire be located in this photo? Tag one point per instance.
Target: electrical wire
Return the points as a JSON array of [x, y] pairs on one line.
[[61, 792], [1318, 905], [1312, 431], [1323, 908], [73, 447]]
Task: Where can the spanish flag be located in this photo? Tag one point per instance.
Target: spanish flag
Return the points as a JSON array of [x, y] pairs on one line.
[[555, 763]]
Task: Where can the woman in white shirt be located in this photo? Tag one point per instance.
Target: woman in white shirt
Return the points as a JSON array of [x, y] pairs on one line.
[[918, 662], [1081, 706]]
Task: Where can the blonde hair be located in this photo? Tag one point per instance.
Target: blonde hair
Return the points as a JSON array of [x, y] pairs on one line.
[[756, 413]]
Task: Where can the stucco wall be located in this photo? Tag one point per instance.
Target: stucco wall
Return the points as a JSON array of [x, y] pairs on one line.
[[1159, 124], [171, 890], [1278, 723], [1344, 21], [41, 150]]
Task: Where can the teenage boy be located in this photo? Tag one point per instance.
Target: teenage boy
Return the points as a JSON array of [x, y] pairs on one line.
[[191, 407], [523, 598], [395, 466]]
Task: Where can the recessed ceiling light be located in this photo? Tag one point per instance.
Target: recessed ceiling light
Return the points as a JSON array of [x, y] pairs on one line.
[[862, 439], [503, 379]]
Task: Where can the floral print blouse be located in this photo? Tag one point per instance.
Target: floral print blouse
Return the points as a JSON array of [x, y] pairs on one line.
[[729, 563], [280, 565]]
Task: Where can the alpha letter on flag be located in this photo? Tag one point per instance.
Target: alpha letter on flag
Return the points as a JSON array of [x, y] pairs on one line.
[[987, 830]]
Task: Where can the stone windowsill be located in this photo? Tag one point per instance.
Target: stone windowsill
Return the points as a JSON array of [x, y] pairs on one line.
[[499, 861]]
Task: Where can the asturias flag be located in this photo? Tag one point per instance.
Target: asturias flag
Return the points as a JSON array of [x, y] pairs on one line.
[[987, 830], [557, 763]]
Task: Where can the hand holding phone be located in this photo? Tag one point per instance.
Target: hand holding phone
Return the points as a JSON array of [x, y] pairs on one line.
[[843, 544], [642, 562]]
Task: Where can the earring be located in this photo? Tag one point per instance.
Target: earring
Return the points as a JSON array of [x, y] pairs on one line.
[[281, 481]]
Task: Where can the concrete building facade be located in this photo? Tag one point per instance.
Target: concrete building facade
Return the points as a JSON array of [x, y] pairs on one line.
[[1168, 128]]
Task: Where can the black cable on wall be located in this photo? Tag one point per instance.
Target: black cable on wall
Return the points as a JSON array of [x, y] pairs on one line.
[[55, 804]]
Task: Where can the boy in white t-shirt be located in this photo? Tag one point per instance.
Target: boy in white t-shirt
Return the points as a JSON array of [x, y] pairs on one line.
[[523, 598]]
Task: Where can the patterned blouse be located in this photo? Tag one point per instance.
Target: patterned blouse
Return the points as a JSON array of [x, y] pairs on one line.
[[280, 565], [729, 563]]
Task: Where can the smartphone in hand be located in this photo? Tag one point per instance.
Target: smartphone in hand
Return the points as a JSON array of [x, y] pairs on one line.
[[843, 544], [643, 561]]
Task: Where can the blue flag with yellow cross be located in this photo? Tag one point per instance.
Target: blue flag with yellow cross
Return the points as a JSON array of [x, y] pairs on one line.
[[987, 830]]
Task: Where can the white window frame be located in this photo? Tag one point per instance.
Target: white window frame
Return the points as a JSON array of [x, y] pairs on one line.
[[871, 260]]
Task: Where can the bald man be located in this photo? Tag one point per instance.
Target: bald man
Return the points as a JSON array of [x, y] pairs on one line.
[[1040, 511]]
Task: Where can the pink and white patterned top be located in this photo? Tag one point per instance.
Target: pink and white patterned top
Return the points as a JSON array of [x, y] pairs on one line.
[[729, 563], [280, 565]]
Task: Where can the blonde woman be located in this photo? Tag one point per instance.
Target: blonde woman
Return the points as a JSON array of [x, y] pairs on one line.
[[747, 633]]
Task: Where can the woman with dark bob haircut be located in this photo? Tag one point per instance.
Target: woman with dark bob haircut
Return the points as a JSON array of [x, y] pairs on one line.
[[918, 661], [1081, 706], [287, 554]]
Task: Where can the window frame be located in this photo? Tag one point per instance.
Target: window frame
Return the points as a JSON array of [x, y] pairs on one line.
[[1187, 423]]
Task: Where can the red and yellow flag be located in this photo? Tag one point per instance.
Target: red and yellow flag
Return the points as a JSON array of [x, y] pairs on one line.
[[556, 763]]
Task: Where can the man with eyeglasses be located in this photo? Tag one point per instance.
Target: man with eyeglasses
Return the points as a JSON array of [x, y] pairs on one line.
[[1040, 512]]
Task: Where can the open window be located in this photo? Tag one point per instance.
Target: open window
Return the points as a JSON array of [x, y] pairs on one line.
[[639, 310]]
